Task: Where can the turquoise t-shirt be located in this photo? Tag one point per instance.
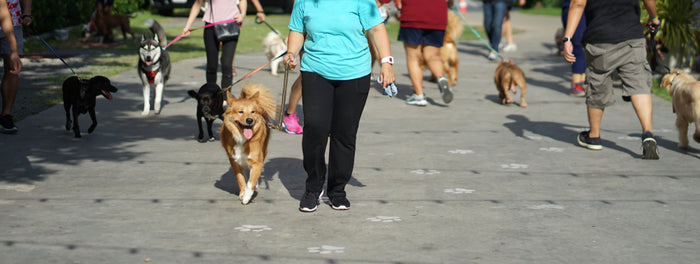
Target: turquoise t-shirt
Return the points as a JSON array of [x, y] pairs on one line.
[[336, 46]]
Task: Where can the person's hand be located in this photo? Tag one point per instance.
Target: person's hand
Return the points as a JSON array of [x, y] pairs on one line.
[[185, 31], [240, 18], [26, 20], [261, 16], [290, 60], [15, 63], [654, 25], [387, 74], [569, 52]]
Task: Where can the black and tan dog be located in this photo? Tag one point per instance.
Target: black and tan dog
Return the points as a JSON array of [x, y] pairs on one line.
[[210, 99], [80, 96]]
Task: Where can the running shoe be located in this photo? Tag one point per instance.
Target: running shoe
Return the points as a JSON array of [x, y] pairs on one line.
[[290, 123], [8, 127], [418, 100], [445, 90], [589, 142]]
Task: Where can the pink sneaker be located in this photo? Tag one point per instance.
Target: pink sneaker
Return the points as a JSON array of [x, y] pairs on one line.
[[291, 124], [577, 90]]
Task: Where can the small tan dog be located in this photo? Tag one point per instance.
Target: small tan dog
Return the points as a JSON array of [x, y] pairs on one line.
[[245, 135], [685, 92], [507, 76], [274, 46]]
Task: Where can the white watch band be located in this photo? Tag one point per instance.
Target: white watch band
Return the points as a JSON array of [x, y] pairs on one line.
[[388, 59]]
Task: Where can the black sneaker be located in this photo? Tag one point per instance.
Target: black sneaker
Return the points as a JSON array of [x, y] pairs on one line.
[[8, 127], [445, 90], [340, 203], [649, 149], [589, 142], [309, 202]]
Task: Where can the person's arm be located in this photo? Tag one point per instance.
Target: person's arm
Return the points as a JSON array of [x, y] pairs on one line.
[[295, 41], [576, 8], [8, 29], [381, 39], [261, 13], [650, 6], [243, 7], [194, 12], [26, 13]]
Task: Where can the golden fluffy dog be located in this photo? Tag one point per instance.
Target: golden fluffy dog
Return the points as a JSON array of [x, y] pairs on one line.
[[245, 134], [685, 92], [448, 51], [507, 76]]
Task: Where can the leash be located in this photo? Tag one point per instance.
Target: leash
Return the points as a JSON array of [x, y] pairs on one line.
[[657, 57], [55, 53], [464, 21], [205, 26], [258, 21], [280, 115], [252, 72]]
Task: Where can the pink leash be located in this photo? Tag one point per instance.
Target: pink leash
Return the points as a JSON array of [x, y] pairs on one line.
[[206, 26]]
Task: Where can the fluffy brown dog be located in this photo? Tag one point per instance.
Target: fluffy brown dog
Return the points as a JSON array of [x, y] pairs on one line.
[[507, 76], [245, 135], [685, 92]]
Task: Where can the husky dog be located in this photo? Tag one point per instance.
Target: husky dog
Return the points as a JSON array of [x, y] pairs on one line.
[[154, 66]]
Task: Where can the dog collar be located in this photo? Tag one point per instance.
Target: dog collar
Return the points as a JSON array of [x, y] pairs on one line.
[[673, 88]]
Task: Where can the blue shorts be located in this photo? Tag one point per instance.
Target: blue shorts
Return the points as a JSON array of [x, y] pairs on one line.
[[5, 47], [419, 36]]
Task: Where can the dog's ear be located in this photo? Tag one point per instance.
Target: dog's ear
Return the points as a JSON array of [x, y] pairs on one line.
[[254, 96], [230, 98], [193, 93], [143, 37], [155, 37]]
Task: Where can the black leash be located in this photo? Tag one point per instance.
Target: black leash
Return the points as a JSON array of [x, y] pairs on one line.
[[258, 21], [55, 53], [657, 56]]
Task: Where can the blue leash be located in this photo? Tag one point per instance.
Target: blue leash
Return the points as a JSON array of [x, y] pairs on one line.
[[56, 54], [464, 21]]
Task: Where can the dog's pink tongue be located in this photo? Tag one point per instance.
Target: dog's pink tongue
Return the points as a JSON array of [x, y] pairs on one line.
[[248, 133]]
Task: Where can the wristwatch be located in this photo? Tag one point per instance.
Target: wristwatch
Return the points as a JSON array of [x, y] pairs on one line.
[[565, 39], [388, 59]]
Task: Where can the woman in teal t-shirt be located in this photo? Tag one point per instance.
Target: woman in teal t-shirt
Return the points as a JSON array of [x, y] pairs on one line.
[[335, 76]]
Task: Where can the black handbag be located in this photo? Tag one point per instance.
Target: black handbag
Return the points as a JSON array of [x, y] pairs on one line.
[[226, 31]]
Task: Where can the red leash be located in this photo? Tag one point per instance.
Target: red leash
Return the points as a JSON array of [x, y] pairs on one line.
[[205, 26]]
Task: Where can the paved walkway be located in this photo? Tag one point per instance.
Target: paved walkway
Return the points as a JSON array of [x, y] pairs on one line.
[[468, 182]]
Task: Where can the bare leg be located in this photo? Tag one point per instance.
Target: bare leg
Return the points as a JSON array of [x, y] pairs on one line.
[[595, 115], [642, 105], [413, 57]]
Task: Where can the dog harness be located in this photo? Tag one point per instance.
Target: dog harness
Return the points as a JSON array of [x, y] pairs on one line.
[[83, 88], [151, 76]]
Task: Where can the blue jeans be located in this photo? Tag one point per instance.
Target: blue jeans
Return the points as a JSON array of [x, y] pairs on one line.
[[494, 12]]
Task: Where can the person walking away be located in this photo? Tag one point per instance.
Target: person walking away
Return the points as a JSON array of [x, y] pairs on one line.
[[578, 68], [423, 25], [614, 42]]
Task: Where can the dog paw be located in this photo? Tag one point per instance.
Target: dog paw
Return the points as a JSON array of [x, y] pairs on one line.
[[212, 139], [247, 195], [144, 113]]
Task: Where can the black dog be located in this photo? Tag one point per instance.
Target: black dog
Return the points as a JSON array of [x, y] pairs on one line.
[[210, 99], [80, 95]]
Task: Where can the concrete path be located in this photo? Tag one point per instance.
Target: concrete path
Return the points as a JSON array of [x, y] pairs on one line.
[[468, 182]]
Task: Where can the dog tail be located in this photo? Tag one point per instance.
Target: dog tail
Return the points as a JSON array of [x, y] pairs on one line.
[[157, 29], [455, 27], [264, 99]]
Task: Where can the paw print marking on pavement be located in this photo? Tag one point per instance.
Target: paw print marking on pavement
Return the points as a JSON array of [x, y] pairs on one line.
[[534, 137], [459, 190], [547, 207], [552, 149], [253, 228], [385, 219], [514, 166], [326, 249], [461, 151], [426, 172]]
